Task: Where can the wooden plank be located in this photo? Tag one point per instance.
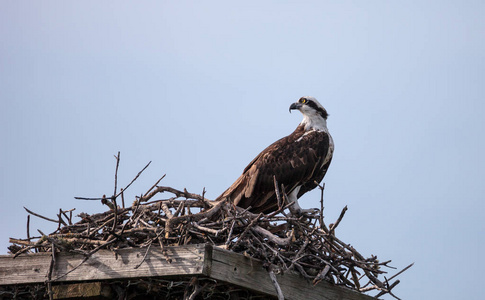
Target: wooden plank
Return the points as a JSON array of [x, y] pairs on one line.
[[191, 260], [24, 269], [102, 265], [249, 273]]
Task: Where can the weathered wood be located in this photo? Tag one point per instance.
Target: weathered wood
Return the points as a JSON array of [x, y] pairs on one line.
[[24, 269], [191, 260], [90, 290], [249, 273], [102, 265]]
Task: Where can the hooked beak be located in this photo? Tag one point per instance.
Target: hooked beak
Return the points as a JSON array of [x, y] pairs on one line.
[[295, 105]]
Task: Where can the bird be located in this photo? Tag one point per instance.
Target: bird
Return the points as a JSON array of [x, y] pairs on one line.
[[298, 161]]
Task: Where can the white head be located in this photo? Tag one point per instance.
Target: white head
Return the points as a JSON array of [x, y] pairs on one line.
[[314, 114]]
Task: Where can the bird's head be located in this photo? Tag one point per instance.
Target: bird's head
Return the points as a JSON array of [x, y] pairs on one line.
[[310, 107], [314, 114]]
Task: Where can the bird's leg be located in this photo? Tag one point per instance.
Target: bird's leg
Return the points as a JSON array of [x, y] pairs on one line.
[[296, 209]]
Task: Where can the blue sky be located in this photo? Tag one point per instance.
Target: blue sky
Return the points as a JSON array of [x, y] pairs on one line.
[[200, 88]]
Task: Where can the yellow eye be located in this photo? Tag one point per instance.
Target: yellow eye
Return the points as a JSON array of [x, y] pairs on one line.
[[303, 100]]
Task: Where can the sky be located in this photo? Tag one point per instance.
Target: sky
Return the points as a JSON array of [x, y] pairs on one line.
[[199, 88]]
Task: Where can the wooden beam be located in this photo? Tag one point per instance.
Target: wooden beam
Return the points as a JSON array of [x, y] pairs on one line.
[[103, 265], [185, 261], [249, 273]]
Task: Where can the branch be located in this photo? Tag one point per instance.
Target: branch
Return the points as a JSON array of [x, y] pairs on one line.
[[277, 287], [273, 238], [40, 216], [334, 226]]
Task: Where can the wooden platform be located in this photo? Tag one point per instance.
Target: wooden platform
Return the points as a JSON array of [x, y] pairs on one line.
[[203, 261]]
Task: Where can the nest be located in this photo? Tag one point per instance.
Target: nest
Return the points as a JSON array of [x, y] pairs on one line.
[[284, 242]]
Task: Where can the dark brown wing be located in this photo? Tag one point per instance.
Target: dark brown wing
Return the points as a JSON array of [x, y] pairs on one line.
[[317, 178], [294, 160]]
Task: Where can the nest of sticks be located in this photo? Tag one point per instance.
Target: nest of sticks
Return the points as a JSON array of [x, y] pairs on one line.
[[282, 241]]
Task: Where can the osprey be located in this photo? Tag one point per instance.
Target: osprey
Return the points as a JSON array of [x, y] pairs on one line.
[[298, 161]]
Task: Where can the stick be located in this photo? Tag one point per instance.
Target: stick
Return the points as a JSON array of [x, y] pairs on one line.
[[185, 194], [167, 211], [164, 252], [42, 217], [321, 275], [49, 274], [230, 232], [61, 221], [297, 256], [115, 206], [179, 209], [28, 227], [122, 198], [196, 217], [322, 224], [388, 289], [209, 230], [144, 256], [153, 186], [89, 199], [253, 222], [136, 177], [332, 228], [273, 238], [116, 171], [277, 287], [398, 273]]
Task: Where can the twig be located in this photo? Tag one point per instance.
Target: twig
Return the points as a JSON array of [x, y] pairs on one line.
[[179, 209], [388, 289], [122, 198], [334, 226], [49, 274], [28, 227], [164, 252], [167, 211], [273, 238], [209, 230], [253, 222], [153, 186], [61, 221], [89, 199], [66, 216], [298, 254], [136, 177], [321, 275], [322, 224], [398, 273], [116, 172], [277, 287], [115, 209], [204, 214], [197, 289], [42, 217], [70, 215], [230, 232], [144, 256]]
